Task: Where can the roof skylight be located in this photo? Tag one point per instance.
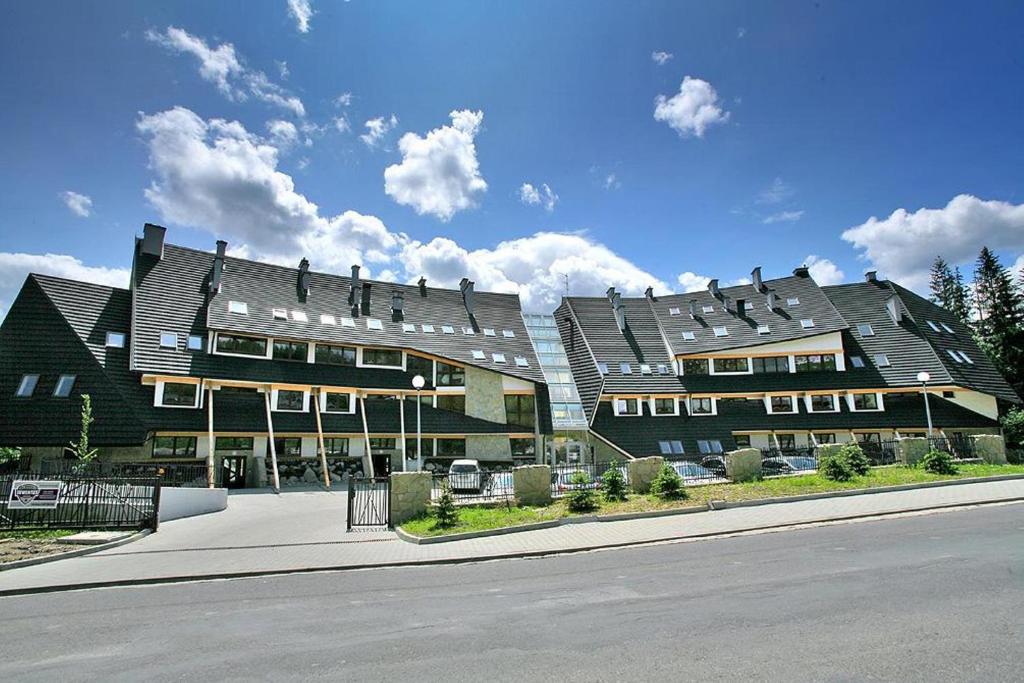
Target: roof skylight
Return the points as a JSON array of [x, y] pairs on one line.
[[374, 324], [645, 369], [966, 358], [882, 360], [673, 311], [865, 330], [931, 324], [447, 329], [721, 332], [689, 336], [602, 368], [807, 323], [115, 340], [953, 355], [708, 309], [326, 319], [625, 369], [508, 333], [64, 385], [408, 327], [857, 361], [947, 328], [498, 357], [239, 307], [522, 362], [300, 317], [469, 331], [793, 301], [280, 313], [427, 329], [479, 355], [489, 332], [764, 329], [168, 340], [348, 322]]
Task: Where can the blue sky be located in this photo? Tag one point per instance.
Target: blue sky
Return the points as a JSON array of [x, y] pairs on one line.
[[799, 123]]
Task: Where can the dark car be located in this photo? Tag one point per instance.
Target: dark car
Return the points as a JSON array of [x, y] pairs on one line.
[[715, 463]]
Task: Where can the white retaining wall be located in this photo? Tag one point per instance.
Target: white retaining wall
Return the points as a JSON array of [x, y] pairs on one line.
[[176, 503]]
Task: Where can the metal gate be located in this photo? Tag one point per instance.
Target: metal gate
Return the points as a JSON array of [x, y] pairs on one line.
[[369, 503]]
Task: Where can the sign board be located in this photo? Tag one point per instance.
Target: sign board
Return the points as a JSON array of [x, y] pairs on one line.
[[29, 494]]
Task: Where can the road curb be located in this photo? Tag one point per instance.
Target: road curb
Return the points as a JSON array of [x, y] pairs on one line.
[[528, 554], [32, 561]]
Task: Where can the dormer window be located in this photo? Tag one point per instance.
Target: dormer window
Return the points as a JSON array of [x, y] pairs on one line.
[[508, 334], [327, 320], [447, 329], [427, 329], [521, 362], [865, 330], [721, 332], [781, 404], [625, 369], [708, 309], [498, 357], [27, 386], [239, 307], [374, 324], [702, 406], [602, 368], [793, 301], [478, 355], [169, 340], [115, 340], [408, 327], [822, 403], [764, 329], [64, 386], [348, 322], [300, 317], [689, 336], [673, 311], [865, 402], [882, 360], [931, 324], [179, 395], [280, 313], [627, 406], [489, 332], [807, 323]]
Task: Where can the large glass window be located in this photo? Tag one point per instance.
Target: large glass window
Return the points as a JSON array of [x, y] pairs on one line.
[[382, 357], [772, 364], [174, 447], [787, 442], [523, 448], [869, 437], [822, 403], [335, 355], [742, 440], [702, 406], [815, 363], [336, 446], [290, 350], [451, 448], [246, 346], [519, 410], [179, 394], [290, 399], [865, 401], [337, 403], [233, 443], [450, 375], [287, 447], [695, 366], [382, 444], [825, 437], [730, 365], [453, 402], [418, 365], [782, 404]]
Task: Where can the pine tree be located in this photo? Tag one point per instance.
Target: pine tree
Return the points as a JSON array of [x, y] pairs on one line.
[[1000, 329], [949, 291], [940, 277]]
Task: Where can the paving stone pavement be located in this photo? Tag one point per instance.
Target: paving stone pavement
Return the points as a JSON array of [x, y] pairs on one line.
[[305, 530]]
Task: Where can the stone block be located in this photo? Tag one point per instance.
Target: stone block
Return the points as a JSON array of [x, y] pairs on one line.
[[642, 472], [743, 464], [911, 450], [532, 484], [990, 447], [410, 495]]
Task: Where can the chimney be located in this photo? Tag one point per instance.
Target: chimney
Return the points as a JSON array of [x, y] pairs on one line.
[[772, 300], [153, 240], [741, 308], [466, 285], [423, 286], [892, 304], [610, 293], [304, 277], [365, 298], [713, 288], [755, 279], [727, 302], [619, 310], [218, 267], [871, 276], [354, 291], [693, 309], [397, 306], [801, 271], [649, 293]]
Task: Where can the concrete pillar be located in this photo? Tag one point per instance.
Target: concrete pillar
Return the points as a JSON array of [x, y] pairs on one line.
[[743, 464], [410, 495], [642, 472], [990, 447], [532, 484], [912, 450]]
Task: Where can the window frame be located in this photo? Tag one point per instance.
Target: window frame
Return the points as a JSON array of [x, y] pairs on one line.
[[57, 393], [160, 395], [657, 413], [293, 349], [689, 406], [727, 361], [325, 408], [321, 359], [525, 405], [275, 400], [833, 399], [238, 307], [123, 336], [362, 362], [879, 402], [700, 372], [763, 362], [266, 341], [771, 408], [25, 379], [175, 448], [618, 404], [165, 336]]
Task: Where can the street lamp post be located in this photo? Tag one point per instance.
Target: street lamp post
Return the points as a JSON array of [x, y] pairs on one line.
[[923, 378], [417, 384]]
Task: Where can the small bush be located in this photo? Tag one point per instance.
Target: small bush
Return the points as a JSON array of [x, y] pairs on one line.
[[1013, 428], [581, 498], [613, 483], [938, 462], [667, 484], [446, 513], [855, 458], [835, 466]]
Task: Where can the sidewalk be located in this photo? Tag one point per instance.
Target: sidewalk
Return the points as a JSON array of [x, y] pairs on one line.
[[304, 531]]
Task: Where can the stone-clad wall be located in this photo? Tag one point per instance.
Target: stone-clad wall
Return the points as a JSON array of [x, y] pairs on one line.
[[911, 450], [990, 448], [642, 472], [410, 495], [743, 464], [532, 484], [485, 397], [488, 447]]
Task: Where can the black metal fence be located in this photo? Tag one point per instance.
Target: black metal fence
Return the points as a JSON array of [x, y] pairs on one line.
[[708, 469], [571, 476], [494, 486], [37, 501], [369, 503], [191, 474]]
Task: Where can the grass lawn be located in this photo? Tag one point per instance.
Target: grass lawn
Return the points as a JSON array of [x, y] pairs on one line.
[[483, 518], [20, 545]]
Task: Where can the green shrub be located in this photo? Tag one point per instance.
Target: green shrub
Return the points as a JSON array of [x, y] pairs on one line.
[[835, 466], [667, 484], [446, 513], [9, 454], [938, 462], [1013, 428], [613, 483], [581, 498], [855, 458]]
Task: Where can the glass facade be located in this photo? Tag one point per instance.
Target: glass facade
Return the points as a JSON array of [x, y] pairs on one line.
[[566, 409]]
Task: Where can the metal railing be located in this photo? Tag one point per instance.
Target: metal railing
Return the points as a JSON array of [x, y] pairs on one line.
[[494, 486], [369, 503], [706, 469], [78, 502]]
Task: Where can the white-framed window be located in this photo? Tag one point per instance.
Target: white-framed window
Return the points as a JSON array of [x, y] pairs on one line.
[[196, 342], [780, 405], [857, 361], [348, 322], [374, 324], [664, 406], [115, 340], [168, 340], [673, 311], [27, 386], [865, 403], [280, 313], [65, 383], [408, 327], [703, 405], [689, 336], [489, 332], [508, 334], [625, 369], [721, 331], [342, 402], [478, 354], [521, 362], [468, 331], [380, 358], [764, 329], [730, 366], [882, 360], [807, 323], [176, 395], [289, 400], [931, 324], [822, 403], [239, 307], [865, 330], [447, 329], [947, 328], [327, 319], [793, 301], [626, 407], [427, 329], [708, 309], [498, 357]]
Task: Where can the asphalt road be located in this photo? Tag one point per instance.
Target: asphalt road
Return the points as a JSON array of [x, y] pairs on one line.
[[933, 597]]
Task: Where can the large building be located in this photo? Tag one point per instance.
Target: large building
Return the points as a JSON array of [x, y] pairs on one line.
[[780, 364], [278, 370]]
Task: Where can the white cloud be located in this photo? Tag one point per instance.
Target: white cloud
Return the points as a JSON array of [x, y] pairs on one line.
[[302, 12], [282, 69], [612, 182], [284, 134], [79, 204], [535, 267], [692, 282], [529, 194], [824, 271], [660, 57], [342, 125], [377, 128], [14, 267], [783, 217], [223, 67], [343, 100], [439, 173], [903, 245], [741, 32], [217, 176], [775, 193], [692, 109]]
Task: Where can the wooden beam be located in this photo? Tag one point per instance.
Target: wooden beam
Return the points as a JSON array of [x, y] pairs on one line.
[[273, 449], [401, 422], [211, 479], [320, 439], [366, 435]]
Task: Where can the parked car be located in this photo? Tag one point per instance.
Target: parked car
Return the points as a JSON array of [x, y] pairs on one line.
[[715, 463], [776, 465], [691, 471], [801, 463], [466, 475]]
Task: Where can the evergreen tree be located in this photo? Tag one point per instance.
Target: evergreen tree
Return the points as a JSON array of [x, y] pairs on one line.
[[949, 291], [940, 277], [1000, 330]]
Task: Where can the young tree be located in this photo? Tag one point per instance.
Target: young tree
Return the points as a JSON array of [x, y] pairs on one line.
[[1000, 330], [80, 449]]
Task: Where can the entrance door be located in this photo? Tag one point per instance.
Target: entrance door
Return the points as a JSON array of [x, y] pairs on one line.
[[232, 472], [381, 463]]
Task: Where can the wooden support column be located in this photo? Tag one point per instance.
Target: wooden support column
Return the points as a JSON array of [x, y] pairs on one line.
[[273, 449], [401, 422], [211, 480], [366, 435], [320, 438]]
